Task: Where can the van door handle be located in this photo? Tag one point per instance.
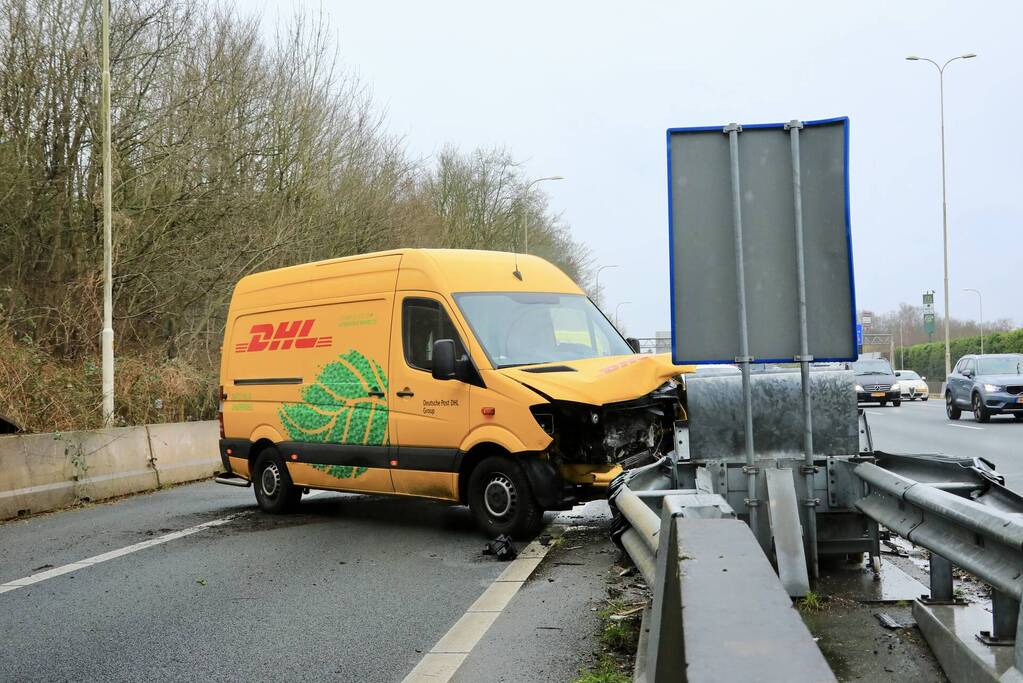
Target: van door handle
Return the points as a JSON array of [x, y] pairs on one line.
[[377, 393], [405, 393]]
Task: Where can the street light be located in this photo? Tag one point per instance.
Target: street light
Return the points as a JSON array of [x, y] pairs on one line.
[[107, 336], [597, 278], [525, 224], [981, 300], [618, 308], [944, 198]]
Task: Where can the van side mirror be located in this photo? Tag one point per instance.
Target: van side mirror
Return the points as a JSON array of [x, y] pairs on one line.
[[444, 359], [633, 344], [898, 373]]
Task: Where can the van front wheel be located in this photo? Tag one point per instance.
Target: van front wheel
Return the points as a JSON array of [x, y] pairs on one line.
[[274, 491], [501, 500]]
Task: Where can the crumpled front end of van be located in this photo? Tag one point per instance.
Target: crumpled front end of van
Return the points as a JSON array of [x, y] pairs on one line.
[[625, 433], [606, 414]]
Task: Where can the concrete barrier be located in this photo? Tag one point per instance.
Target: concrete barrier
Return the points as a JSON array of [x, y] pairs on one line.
[[185, 451], [40, 472]]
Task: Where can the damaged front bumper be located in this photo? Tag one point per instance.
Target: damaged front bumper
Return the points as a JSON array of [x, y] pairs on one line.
[[594, 444]]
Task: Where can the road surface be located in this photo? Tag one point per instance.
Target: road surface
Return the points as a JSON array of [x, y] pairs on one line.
[[922, 427], [351, 588]]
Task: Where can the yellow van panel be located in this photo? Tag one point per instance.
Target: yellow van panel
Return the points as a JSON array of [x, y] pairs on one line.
[[457, 270], [314, 282], [240, 466], [317, 387], [440, 485], [361, 479]]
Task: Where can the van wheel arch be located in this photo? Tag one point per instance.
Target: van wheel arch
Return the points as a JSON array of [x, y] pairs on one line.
[[258, 447], [470, 460]]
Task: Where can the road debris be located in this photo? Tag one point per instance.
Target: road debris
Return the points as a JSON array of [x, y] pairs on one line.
[[890, 623], [501, 548]]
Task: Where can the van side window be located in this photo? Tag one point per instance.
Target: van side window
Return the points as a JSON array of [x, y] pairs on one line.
[[424, 321]]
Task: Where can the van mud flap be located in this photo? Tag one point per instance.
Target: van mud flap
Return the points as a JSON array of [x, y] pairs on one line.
[[549, 488]]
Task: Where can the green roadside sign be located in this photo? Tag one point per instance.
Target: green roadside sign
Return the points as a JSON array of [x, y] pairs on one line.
[[929, 313]]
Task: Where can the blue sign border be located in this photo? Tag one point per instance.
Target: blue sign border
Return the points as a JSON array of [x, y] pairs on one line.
[[854, 354]]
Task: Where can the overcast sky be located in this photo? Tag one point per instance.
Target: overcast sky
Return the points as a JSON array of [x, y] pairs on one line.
[[586, 90]]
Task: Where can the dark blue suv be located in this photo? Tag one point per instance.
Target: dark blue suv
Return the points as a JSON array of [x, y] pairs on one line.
[[990, 384]]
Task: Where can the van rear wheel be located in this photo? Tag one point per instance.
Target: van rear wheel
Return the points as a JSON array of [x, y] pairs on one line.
[[502, 501], [272, 483]]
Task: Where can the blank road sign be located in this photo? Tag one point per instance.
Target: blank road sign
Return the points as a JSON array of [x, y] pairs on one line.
[[705, 308]]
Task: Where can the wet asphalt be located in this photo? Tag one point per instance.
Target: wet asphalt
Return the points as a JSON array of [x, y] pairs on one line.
[[923, 427], [351, 588]]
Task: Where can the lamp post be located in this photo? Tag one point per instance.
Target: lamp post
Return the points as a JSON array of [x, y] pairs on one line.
[[107, 337], [618, 308], [980, 300], [944, 194], [902, 348], [596, 286], [525, 223]]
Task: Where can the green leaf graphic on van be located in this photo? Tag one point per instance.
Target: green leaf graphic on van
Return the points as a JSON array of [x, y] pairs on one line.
[[338, 408]]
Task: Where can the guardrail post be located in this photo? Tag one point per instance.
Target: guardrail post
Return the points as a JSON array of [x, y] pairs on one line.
[[941, 580], [1005, 615], [1018, 650]]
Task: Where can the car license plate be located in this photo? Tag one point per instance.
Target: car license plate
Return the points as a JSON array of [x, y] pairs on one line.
[[878, 394], [1019, 400]]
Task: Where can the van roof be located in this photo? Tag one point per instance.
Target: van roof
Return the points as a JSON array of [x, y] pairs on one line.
[[450, 270]]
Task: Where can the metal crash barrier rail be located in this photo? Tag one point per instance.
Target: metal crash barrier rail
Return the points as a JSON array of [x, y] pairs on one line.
[[983, 536], [957, 508]]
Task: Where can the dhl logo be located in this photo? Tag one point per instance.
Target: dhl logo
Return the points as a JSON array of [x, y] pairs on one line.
[[287, 335]]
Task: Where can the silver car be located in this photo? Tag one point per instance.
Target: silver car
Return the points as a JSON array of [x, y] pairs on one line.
[[990, 384], [912, 385]]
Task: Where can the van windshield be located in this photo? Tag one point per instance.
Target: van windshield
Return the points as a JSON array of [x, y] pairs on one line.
[[527, 328]]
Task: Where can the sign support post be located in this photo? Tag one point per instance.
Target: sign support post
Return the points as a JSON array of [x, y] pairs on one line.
[[743, 359], [804, 357]]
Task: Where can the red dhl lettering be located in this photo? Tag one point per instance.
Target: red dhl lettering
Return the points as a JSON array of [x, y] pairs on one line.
[[286, 335]]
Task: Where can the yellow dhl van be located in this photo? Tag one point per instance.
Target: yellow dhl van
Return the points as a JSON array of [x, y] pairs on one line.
[[467, 376]]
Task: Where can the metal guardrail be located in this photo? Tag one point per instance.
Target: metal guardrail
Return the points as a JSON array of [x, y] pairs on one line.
[[982, 535], [738, 622]]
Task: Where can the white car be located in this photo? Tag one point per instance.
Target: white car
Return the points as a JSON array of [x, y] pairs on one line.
[[912, 385]]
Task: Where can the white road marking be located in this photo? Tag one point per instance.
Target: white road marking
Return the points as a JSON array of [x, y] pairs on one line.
[[964, 426], [113, 554], [442, 661], [121, 552]]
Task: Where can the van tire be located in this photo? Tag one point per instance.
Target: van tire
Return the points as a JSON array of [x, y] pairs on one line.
[[502, 501], [271, 481]]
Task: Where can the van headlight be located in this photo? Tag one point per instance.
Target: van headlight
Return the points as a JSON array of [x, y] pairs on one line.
[[992, 387], [859, 388], [544, 419], [896, 387]]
